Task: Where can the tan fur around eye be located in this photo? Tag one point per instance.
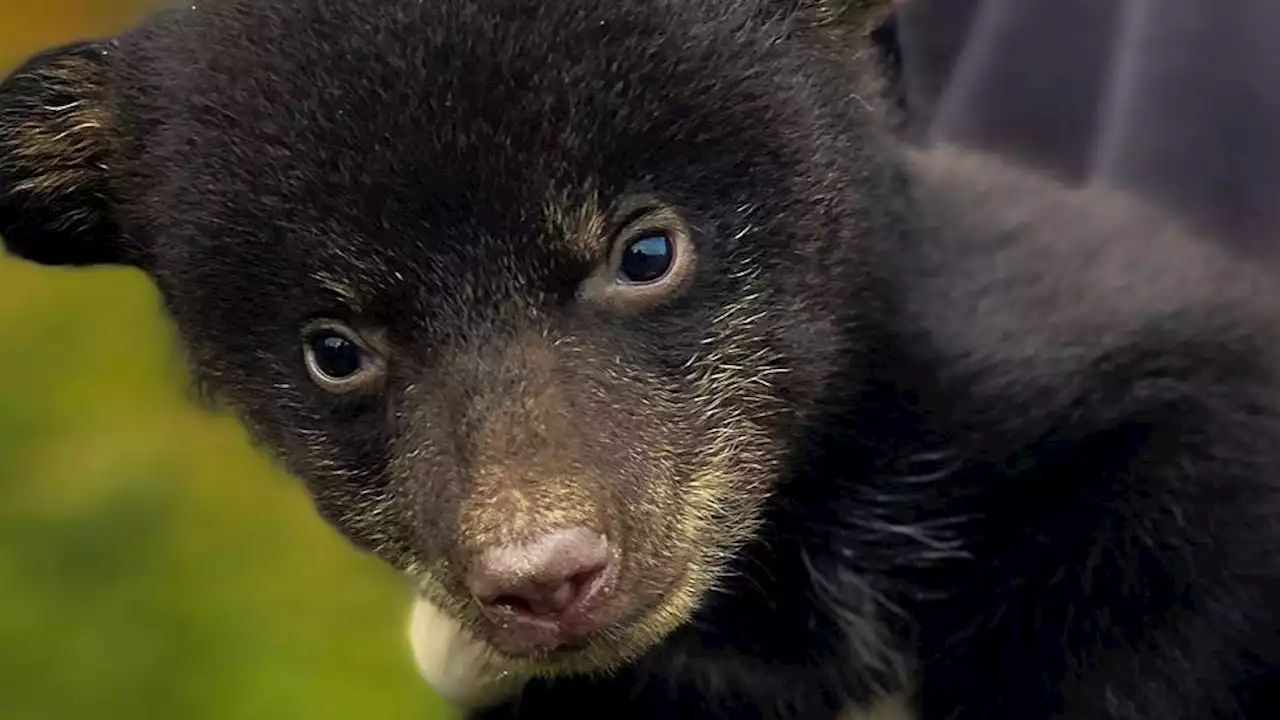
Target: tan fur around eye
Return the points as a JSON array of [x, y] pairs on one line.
[[579, 226]]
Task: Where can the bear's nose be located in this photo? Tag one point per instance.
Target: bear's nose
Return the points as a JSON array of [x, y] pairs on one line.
[[545, 593]]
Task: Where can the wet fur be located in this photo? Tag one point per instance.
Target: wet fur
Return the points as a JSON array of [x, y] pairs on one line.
[[923, 422]]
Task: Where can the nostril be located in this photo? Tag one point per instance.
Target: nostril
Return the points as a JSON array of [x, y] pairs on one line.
[[544, 579]]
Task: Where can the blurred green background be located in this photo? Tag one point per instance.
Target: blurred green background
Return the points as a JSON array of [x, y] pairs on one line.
[[152, 565]]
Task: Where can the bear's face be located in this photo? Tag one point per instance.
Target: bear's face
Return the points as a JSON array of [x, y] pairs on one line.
[[535, 297]]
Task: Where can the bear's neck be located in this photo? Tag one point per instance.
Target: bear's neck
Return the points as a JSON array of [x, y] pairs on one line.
[[815, 616]]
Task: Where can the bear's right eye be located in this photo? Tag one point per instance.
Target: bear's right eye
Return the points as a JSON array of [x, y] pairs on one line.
[[338, 360]]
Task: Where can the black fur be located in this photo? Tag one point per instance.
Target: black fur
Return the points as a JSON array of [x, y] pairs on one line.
[[1031, 460]]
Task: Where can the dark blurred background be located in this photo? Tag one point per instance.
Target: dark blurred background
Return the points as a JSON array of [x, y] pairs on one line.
[[153, 565]]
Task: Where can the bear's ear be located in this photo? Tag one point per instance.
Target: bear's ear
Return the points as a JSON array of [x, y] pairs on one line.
[[59, 137], [838, 17], [856, 15]]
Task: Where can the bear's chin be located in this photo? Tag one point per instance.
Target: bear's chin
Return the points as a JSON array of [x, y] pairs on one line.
[[459, 668]]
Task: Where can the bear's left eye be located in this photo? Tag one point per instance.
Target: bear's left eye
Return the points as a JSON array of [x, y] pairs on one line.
[[337, 359]]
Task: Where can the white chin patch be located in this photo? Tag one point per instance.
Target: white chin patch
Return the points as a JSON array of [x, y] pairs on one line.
[[453, 663]]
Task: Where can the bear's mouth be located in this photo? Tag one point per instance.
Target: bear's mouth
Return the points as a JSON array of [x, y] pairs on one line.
[[513, 602], [630, 626]]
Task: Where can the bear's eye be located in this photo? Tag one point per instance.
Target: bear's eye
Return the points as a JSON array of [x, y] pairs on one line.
[[647, 259], [651, 258], [337, 359]]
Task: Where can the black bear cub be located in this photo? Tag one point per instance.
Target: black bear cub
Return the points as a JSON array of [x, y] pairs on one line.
[[629, 332]]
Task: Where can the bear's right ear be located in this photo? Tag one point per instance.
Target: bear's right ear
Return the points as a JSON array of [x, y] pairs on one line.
[[59, 139], [856, 15]]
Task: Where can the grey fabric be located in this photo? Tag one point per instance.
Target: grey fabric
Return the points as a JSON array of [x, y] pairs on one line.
[[1178, 99]]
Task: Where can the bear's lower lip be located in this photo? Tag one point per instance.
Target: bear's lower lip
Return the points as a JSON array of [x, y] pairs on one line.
[[530, 642]]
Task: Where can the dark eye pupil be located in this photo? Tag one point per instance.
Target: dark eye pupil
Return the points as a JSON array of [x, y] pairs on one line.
[[336, 356], [646, 259]]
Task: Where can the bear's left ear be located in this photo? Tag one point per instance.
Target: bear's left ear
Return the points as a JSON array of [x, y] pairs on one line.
[[59, 140]]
